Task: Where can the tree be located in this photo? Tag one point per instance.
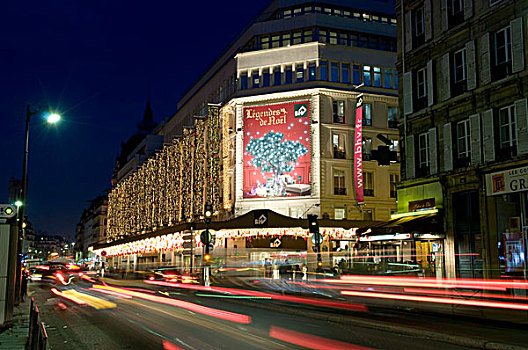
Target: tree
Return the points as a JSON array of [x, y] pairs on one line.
[[272, 155]]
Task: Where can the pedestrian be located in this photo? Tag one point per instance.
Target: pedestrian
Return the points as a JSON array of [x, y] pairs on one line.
[[24, 284]]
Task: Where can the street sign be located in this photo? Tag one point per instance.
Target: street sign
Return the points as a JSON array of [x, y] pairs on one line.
[[260, 218], [317, 238], [7, 211]]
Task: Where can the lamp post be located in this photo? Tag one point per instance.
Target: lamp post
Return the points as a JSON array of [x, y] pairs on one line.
[[51, 118]]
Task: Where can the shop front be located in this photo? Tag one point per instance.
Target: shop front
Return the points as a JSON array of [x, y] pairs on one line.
[[507, 201]]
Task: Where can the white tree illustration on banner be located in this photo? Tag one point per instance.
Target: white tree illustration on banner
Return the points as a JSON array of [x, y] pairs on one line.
[[272, 155]]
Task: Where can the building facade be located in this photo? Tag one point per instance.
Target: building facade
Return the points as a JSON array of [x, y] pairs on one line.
[[92, 227], [464, 124], [290, 81]]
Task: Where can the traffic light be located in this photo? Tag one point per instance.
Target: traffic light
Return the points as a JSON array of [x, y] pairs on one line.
[[208, 213], [313, 225]]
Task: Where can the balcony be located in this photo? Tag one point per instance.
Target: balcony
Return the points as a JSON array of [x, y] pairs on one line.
[[339, 154], [367, 156], [368, 192], [462, 162], [506, 153], [393, 124], [339, 191], [422, 172]]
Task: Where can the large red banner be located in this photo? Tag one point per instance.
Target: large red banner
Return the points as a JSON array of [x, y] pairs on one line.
[[358, 152], [277, 150]]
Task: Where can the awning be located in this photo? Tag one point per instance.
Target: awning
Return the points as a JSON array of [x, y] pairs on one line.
[[415, 223]]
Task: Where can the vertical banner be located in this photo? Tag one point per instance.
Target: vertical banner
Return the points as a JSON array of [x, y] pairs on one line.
[[277, 150], [358, 152]]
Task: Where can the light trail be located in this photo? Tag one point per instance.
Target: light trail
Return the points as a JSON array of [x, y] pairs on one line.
[[221, 314], [493, 304], [310, 341]]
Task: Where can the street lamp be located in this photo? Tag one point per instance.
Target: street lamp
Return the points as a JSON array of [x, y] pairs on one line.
[[52, 117]]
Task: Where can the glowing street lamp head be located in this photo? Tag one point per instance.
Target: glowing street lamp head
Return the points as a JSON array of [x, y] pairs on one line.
[[18, 203], [53, 117]]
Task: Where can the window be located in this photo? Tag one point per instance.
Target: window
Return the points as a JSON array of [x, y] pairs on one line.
[[339, 182], [395, 147], [421, 83], [297, 39], [459, 62], [334, 71], [266, 78], [288, 75], [502, 60], [367, 148], [423, 151], [368, 182], [339, 214], [387, 78], [323, 70], [308, 36], [368, 215], [508, 131], [339, 112], [265, 42], [275, 41], [393, 180], [286, 38], [287, 13], [338, 143], [367, 114], [377, 77], [322, 36], [392, 116], [418, 27], [333, 38], [356, 74], [455, 12], [343, 39], [255, 79], [299, 73], [243, 81], [463, 142], [345, 73], [277, 76], [311, 71], [366, 75]]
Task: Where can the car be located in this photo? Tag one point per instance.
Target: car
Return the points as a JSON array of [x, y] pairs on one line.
[[171, 274]]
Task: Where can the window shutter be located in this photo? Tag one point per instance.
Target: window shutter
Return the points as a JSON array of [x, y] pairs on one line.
[[485, 72], [474, 132], [407, 93], [471, 71], [443, 12], [468, 9], [517, 45], [433, 151], [409, 157], [430, 82], [488, 137], [448, 148], [521, 116], [445, 87], [427, 20], [408, 31]]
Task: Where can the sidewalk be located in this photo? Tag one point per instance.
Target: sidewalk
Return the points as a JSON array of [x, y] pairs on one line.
[[15, 337]]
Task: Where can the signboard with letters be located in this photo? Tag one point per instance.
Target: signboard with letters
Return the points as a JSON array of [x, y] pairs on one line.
[[277, 150], [358, 152], [507, 181]]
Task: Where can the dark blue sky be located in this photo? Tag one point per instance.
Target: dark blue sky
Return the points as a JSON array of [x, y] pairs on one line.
[[94, 61]]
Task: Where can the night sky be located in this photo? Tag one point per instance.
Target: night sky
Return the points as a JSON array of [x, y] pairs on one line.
[[95, 61]]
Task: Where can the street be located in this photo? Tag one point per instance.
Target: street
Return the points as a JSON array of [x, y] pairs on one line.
[[86, 316]]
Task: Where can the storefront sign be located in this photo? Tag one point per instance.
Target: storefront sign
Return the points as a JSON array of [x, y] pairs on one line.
[[358, 152], [422, 204], [513, 251], [507, 181], [277, 150]]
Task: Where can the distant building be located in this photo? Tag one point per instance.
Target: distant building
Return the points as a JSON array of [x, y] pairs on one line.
[[91, 228], [464, 92]]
